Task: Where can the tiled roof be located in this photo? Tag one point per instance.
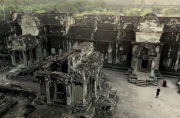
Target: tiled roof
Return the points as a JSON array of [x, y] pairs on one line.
[[105, 26], [80, 32], [87, 22], [105, 35]]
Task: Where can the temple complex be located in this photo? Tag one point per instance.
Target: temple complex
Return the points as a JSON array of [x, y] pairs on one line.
[[57, 61]]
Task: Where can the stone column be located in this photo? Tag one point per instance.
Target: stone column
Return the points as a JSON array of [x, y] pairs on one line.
[[60, 51], [152, 69], [47, 90], [95, 89], [13, 59], [84, 93], [38, 53], [169, 60], [70, 47], [157, 58], [25, 58], [133, 58], [67, 44], [135, 65], [68, 95], [110, 53], [177, 60], [117, 49]]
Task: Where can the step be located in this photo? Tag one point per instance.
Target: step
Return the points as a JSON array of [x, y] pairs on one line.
[[170, 76], [141, 81], [115, 67], [132, 81], [141, 85]]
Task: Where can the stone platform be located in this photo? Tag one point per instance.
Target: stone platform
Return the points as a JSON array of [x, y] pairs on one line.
[[142, 79]]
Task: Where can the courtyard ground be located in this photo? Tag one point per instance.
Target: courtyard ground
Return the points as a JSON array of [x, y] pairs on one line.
[[140, 102], [134, 101]]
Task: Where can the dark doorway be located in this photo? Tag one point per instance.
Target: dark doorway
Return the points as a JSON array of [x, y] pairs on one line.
[[61, 94], [144, 64]]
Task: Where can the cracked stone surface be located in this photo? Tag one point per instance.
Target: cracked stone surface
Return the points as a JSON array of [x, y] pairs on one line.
[[140, 102]]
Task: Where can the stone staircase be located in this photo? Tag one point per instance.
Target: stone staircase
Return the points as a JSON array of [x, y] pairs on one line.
[[133, 80], [143, 79], [142, 83]]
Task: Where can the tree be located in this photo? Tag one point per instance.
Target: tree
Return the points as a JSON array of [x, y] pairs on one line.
[[67, 7]]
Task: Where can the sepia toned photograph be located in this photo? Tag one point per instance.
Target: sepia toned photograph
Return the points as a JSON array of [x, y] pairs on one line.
[[89, 58]]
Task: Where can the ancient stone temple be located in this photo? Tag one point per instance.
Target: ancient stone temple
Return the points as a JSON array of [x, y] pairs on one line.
[[143, 44], [99, 29], [25, 47], [74, 79], [149, 48], [40, 34]]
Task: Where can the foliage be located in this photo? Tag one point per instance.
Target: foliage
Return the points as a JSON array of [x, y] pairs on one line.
[[82, 7]]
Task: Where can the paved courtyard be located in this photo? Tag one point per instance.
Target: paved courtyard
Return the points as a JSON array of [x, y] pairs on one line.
[[134, 101], [140, 102]]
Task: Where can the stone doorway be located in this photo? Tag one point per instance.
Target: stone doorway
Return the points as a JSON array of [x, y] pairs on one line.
[[61, 93], [145, 65]]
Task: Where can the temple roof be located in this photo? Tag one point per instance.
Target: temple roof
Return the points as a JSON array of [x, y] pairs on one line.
[[87, 22], [105, 35], [44, 18], [80, 32], [105, 26]]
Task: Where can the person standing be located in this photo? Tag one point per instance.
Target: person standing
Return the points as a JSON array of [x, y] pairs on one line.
[[164, 83], [157, 92]]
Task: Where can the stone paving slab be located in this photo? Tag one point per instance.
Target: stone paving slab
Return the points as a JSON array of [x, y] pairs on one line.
[[140, 102]]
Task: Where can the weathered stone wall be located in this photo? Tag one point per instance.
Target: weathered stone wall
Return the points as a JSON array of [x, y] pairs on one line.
[[30, 25]]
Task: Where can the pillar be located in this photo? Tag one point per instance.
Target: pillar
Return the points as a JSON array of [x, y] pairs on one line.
[[70, 47], [177, 60], [133, 58], [47, 90], [84, 93], [152, 69], [110, 53], [25, 58], [60, 51], [67, 44], [13, 59], [117, 49], [68, 95], [95, 88], [157, 58], [135, 65], [38, 53]]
